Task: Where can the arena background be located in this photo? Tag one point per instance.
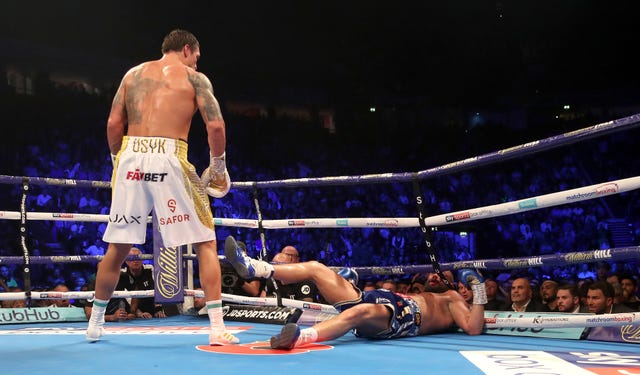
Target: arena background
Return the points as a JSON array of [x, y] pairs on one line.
[[311, 90]]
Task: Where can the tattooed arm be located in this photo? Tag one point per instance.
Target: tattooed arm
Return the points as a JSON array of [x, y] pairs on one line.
[[210, 111], [215, 177], [117, 119]]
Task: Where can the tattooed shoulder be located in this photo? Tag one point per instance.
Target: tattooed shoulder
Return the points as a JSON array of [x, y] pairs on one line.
[[118, 99], [204, 91], [200, 82]]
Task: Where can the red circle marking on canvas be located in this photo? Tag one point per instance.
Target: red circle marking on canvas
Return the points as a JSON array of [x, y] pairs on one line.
[[260, 348]]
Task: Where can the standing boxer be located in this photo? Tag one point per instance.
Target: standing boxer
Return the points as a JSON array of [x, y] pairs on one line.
[[156, 102]]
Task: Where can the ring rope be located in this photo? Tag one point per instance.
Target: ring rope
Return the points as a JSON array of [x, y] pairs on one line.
[[565, 321], [540, 320], [76, 294], [549, 143], [545, 144], [287, 302], [578, 257], [44, 259], [59, 216], [484, 212], [257, 301]]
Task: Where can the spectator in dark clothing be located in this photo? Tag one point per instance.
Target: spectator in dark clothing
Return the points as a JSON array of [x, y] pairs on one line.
[[522, 298], [600, 299]]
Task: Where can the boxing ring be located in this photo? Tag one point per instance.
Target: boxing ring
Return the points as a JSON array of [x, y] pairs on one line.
[[514, 343]]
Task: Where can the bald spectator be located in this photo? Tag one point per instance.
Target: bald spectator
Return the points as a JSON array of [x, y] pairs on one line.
[[291, 253], [522, 297], [303, 291]]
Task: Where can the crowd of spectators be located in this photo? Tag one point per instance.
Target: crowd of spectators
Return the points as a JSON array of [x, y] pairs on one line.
[[65, 138]]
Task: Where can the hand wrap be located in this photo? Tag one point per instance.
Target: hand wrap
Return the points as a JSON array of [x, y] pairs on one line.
[[475, 281]]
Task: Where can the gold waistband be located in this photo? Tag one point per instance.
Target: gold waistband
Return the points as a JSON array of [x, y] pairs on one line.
[[155, 145]]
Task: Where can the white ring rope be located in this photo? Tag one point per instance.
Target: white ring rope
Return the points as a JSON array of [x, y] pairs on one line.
[[88, 295], [12, 296], [566, 320], [542, 201], [269, 301], [59, 216], [540, 320]]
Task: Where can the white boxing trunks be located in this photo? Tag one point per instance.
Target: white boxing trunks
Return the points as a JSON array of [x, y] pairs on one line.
[[154, 173]]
